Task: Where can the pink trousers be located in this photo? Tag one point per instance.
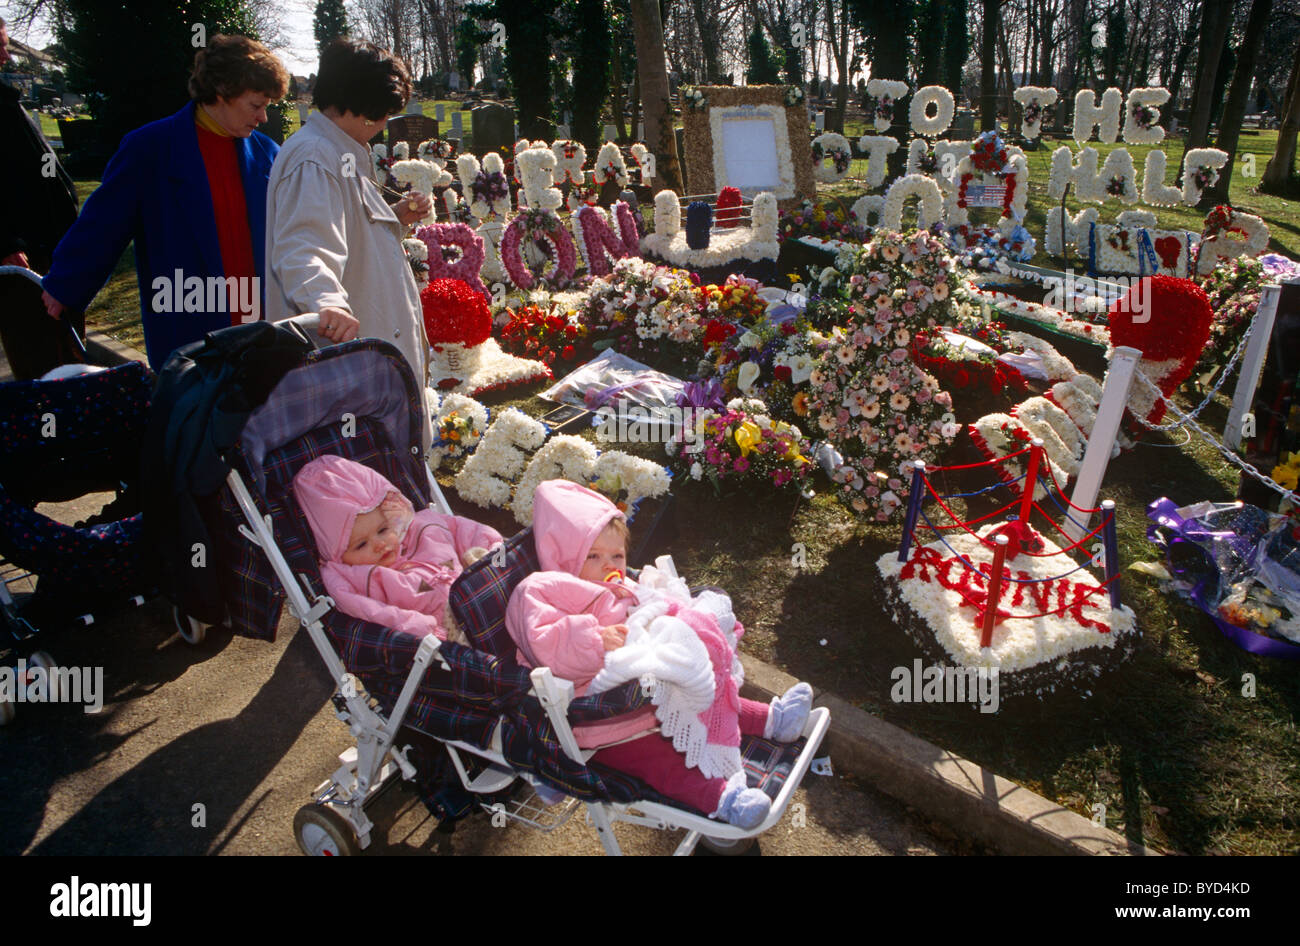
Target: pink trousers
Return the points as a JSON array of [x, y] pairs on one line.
[[654, 761]]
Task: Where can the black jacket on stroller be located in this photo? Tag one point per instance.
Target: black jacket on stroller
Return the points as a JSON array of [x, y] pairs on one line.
[[205, 392]]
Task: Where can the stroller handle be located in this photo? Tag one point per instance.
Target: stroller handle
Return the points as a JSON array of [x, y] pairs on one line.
[[308, 326]]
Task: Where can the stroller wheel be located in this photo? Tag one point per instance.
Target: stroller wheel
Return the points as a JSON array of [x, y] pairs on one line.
[[727, 847], [41, 659], [191, 629], [323, 832]]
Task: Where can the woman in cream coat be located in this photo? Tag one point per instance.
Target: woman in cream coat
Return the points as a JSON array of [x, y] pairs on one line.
[[333, 244]]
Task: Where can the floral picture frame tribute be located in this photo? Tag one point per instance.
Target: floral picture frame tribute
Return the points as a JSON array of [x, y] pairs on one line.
[[742, 137]]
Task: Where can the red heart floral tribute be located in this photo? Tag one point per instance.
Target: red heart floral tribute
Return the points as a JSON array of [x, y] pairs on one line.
[[1168, 320]]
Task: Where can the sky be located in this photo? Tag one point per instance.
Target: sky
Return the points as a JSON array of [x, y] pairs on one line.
[[299, 55]]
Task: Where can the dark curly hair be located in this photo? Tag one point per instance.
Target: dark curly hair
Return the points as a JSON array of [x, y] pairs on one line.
[[361, 78], [229, 66]]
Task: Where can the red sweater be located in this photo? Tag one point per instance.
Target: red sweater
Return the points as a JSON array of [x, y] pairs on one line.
[[231, 211]]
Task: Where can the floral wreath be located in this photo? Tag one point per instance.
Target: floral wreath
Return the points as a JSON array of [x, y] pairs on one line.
[[1142, 126], [833, 146], [886, 92], [1201, 170], [610, 166], [543, 226], [1219, 223], [570, 156], [1037, 103], [469, 261], [793, 96], [925, 124]]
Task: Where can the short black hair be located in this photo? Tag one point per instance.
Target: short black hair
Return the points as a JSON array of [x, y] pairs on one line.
[[361, 78]]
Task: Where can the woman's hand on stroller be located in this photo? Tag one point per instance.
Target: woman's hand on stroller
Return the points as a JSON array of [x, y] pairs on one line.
[[338, 325], [52, 305], [613, 636]]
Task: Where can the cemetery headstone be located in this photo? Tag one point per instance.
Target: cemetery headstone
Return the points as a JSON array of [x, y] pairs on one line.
[[453, 81], [439, 113], [610, 133], [412, 129], [304, 112], [457, 126], [492, 127], [413, 107]]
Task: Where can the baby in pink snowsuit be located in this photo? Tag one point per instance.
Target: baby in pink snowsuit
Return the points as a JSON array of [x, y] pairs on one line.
[[571, 614], [379, 559]]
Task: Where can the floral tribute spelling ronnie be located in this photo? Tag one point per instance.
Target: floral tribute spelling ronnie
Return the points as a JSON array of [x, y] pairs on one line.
[[866, 395]]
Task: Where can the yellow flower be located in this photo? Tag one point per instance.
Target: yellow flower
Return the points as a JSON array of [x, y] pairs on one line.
[[748, 436]]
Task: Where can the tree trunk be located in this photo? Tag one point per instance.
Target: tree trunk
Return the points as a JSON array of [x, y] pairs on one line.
[[1215, 19], [1277, 176], [988, 75], [652, 76], [616, 96], [840, 51], [1238, 93]]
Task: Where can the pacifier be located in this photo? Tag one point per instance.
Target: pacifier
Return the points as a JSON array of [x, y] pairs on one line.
[[616, 575]]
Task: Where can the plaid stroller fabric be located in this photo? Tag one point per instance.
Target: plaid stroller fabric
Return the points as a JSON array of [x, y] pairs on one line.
[[356, 400], [60, 440]]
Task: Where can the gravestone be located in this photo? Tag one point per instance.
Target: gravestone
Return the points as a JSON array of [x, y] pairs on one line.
[[412, 129], [820, 122], [413, 107], [492, 127], [610, 133], [439, 113], [640, 131], [304, 112], [453, 81], [457, 126], [963, 126], [562, 131]]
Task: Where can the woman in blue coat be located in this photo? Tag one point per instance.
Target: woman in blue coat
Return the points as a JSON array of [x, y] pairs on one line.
[[190, 190]]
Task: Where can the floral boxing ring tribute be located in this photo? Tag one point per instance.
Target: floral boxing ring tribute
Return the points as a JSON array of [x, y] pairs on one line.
[[1003, 599]]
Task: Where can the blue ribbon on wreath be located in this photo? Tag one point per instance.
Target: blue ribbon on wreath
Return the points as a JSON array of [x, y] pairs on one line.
[[1146, 253]]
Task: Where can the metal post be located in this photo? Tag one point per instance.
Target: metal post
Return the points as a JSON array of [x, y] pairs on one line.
[[1114, 399], [1252, 363], [913, 508], [1110, 542], [995, 590]]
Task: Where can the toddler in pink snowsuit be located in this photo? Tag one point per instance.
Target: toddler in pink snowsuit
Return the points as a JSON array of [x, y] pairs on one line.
[[379, 559], [571, 614]]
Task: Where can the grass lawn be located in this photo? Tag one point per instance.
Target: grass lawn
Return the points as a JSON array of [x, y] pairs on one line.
[[1181, 760]]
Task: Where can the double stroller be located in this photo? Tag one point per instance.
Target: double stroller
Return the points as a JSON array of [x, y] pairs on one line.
[[467, 725]]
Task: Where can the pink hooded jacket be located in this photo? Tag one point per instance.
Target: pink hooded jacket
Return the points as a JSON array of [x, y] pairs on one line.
[[411, 594], [555, 617]]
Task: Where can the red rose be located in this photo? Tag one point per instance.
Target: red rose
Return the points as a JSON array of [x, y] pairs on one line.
[[782, 373]]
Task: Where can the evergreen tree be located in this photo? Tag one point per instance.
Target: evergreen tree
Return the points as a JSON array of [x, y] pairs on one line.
[[529, 25], [764, 62], [470, 38], [141, 88], [329, 23], [591, 72]]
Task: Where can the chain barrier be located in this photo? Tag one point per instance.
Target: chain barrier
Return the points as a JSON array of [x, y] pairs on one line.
[[1227, 454]]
